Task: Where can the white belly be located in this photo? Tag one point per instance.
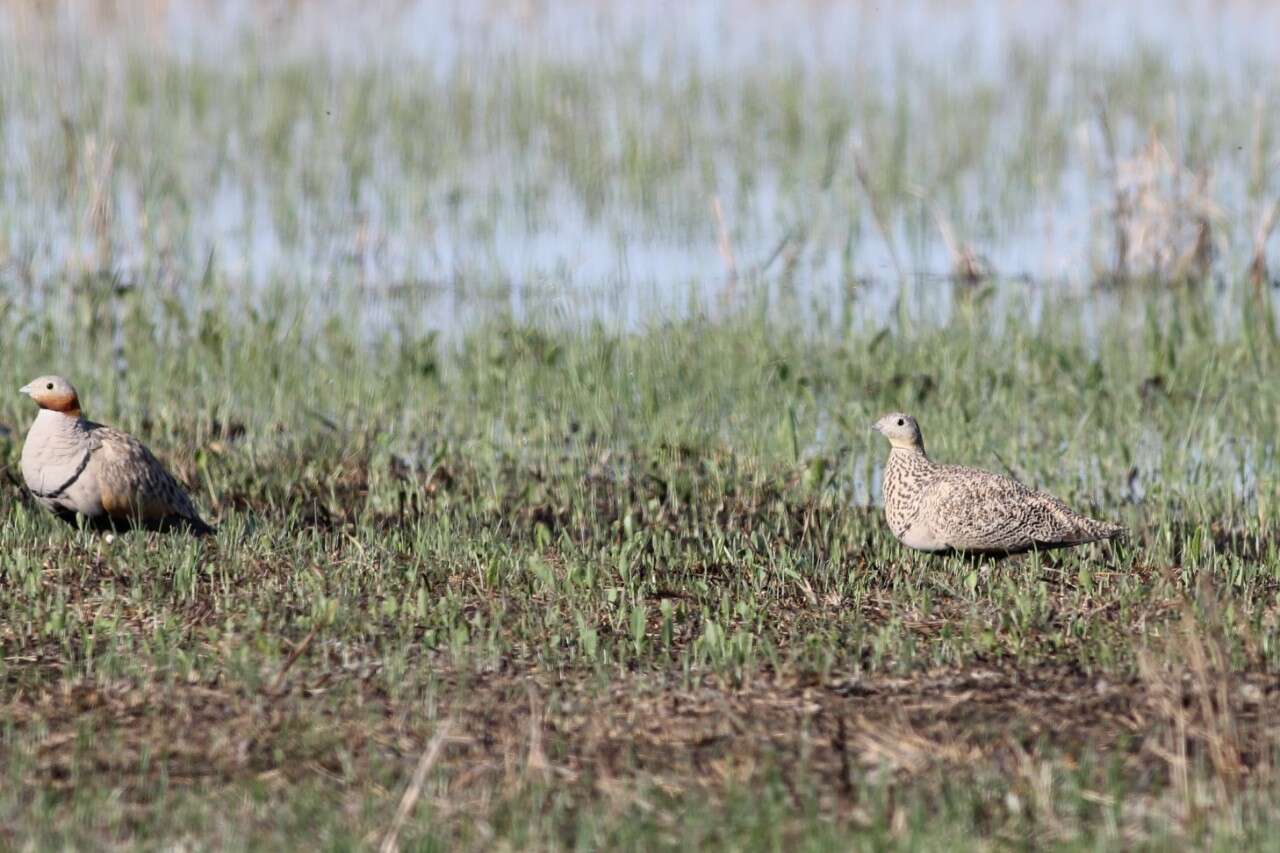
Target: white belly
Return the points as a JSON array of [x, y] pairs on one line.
[[921, 537]]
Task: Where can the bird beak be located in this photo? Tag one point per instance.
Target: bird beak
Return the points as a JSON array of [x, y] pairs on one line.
[[25, 389], [875, 427]]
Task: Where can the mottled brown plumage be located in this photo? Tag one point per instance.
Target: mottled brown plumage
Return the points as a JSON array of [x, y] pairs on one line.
[[74, 466], [941, 508]]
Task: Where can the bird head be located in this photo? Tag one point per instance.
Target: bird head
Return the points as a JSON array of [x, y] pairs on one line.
[[53, 393], [901, 430]]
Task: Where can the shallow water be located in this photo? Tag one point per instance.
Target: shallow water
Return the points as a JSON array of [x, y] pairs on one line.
[[492, 253]]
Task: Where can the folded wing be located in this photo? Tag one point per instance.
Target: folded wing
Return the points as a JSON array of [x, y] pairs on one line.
[[976, 510], [135, 487]]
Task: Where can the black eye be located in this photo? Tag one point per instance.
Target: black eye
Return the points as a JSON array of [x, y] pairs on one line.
[[901, 422], [50, 388]]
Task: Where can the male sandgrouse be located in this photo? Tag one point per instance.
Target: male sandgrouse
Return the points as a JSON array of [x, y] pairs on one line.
[[74, 466], [945, 508]]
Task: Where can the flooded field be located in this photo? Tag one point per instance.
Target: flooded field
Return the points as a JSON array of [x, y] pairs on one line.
[[439, 163], [525, 354]]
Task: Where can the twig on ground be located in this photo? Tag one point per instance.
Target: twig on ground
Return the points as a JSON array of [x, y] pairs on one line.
[[276, 682], [390, 842]]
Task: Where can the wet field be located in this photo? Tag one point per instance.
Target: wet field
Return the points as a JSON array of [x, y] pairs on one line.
[[526, 359]]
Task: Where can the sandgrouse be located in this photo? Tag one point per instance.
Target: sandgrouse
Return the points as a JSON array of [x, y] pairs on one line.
[[74, 466], [950, 508]]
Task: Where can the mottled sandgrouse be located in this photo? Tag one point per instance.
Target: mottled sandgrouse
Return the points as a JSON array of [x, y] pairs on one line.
[[944, 508], [74, 466]]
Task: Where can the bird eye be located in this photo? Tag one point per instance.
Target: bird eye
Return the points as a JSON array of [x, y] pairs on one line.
[[901, 422], [50, 388]]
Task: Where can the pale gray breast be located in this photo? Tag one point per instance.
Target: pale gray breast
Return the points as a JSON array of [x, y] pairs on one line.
[[55, 460]]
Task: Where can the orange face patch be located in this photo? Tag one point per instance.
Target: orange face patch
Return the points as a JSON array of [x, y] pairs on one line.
[[57, 400]]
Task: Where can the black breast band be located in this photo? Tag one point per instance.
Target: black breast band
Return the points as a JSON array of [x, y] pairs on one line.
[[84, 463]]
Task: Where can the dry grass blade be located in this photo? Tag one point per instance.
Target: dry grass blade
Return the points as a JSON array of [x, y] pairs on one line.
[[1190, 690], [276, 682], [725, 247], [878, 212], [536, 761], [428, 759], [1120, 209], [1258, 273], [1207, 661], [967, 266]]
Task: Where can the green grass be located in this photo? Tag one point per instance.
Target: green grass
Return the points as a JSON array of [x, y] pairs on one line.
[[655, 551], [635, 566], [332, 160]]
